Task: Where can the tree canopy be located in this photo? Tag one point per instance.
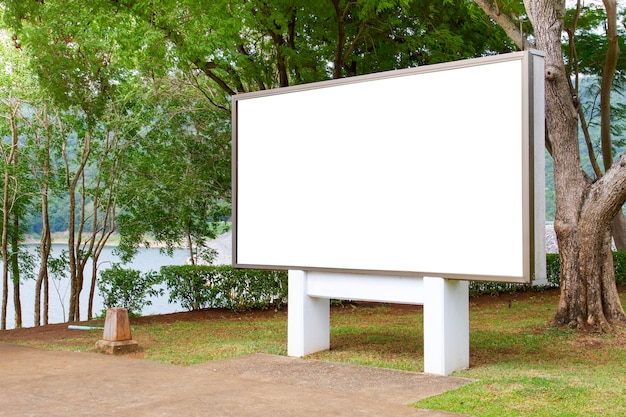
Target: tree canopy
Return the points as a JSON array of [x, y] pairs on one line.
[[124, 106]]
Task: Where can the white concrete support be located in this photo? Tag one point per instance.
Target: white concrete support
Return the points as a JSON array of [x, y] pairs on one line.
[[446, 325], [308, 324], [379, 288], [446, 312]]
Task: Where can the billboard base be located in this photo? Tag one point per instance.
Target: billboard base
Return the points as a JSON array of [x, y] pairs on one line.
[[446, 312]]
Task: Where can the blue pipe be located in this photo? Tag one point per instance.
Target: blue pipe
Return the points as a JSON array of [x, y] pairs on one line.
[[75, 327]]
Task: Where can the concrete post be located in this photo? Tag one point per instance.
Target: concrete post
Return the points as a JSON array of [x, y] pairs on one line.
[[308, 325], [446, 325]]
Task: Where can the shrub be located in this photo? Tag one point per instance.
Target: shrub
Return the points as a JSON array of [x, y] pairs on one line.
[[246, 288], [187, 284], [553, 269], [128, 288], [553, 272], [222, 286], [619, 263]]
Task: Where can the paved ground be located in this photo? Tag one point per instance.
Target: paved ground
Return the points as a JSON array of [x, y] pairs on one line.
[[37, 383]]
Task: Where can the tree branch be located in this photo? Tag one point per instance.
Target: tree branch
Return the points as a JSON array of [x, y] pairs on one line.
[[608, 74], [506, 22]]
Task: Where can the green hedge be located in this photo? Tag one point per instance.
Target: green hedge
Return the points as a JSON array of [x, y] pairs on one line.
[[553, 266], [128, 288], [222, 286]]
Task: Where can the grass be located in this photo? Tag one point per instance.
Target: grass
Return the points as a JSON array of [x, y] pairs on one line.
[[524, 368], [188, 343], [521, 366]]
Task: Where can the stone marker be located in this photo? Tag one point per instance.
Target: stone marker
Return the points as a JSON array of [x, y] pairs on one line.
[[117, 338]]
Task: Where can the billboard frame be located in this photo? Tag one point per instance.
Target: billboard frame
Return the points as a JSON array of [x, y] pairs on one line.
[[532, 187]]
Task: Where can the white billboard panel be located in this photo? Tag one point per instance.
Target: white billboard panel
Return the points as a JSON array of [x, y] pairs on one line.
[[427, 171]]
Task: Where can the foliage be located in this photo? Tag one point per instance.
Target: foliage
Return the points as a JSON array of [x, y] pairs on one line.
[[128, 288], [176, 180], [619, 264], [201, 286], [553, 266], [187, 284]]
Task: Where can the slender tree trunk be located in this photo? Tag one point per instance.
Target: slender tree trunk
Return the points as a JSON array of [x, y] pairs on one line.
[[74, 239], [4, 250], [8, 200], [618, 230], [92, 287], [72, 316], [105, 234], [104, 225], [15, 271], [341, 38], [608, 75], [45, 245], [46, 300], [192, 256], [5, 281], [618, 227]]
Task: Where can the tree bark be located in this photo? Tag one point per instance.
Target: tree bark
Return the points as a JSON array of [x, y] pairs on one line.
[[43, 143], [8, 201], [608, 75], [45, 245], [4, 250], [618, 227], [585, 210], [341, 38], [74, 238], [15, 269], [510, 27]]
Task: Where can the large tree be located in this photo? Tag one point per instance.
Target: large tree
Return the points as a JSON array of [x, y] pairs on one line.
[[585, 205], [244, 46]]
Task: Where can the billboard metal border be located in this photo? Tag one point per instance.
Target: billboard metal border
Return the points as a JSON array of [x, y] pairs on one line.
[[533, 170]]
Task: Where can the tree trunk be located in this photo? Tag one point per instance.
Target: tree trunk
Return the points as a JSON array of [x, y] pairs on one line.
[[5, 286], [46, 300], [74, 239], [45, 245], [584, 210], [74, 290], [15, 270], [618, 230], [4, 250], [341, 38], [92, 287], [8, 200]]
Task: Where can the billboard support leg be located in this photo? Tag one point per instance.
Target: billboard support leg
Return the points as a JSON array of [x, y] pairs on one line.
[[446, 325], [308, 325], [446, 313]]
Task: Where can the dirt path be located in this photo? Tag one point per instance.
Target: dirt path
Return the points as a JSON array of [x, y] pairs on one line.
[[36, 382]]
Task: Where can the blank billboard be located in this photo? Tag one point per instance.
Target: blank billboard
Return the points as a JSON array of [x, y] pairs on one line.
[[428, 171]]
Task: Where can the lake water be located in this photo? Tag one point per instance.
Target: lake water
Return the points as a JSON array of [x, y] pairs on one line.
[[146, 260]]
